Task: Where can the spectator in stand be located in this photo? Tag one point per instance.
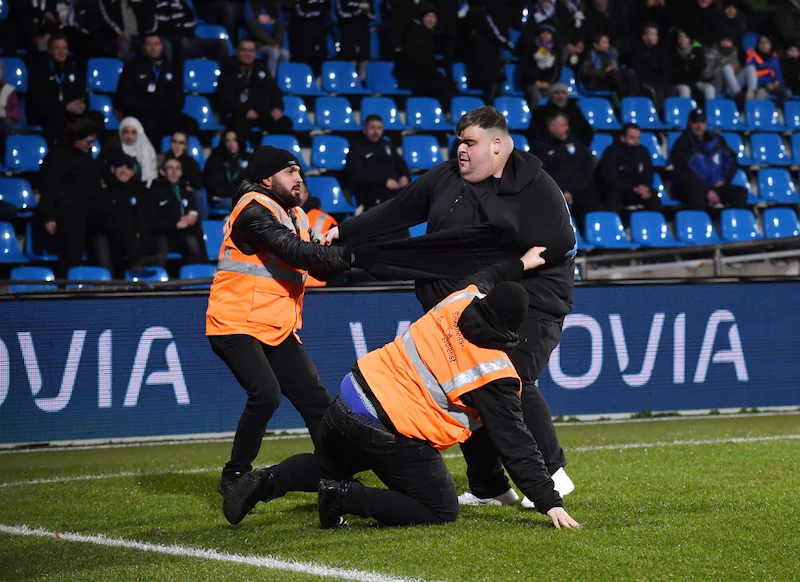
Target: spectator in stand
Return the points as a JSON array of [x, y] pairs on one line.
[[73, 205], [222, 12], [787, 22], [560, 102], [539, 62], [790, 67], [446, 32], [225, 169], [133, 141], [704, 167], [176, 24], [192, 180], [566, 17], [625, 173], [10, 109], [169, 220], [124, 25], [77, 21], [610, 17], [571, 165], [320, 222], [602, 72], [687, 63], [488, 35], [247, 96], [29, 26], [731, 25], [354, 18], [725, 71], [415, 65], [649, 62], [373, 168], [702, 20], [266, 26], [768, 70], [309, 38], [658, 12], [151, 90]]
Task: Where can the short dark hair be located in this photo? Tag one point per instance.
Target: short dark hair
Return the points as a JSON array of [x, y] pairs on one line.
[[55, 37], [486, 117], [372, 117], [150, 34], [553, 116], [627, 126], [245, 39], [596, 37], [647, 26]]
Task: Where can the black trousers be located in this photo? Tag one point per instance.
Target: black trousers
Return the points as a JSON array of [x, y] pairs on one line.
[[538, 338], [694, 198], [420, 487], [617, 200], [266, 372]]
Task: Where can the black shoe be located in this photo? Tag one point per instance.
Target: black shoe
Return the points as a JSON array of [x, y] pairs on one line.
[[228, 481], [331, 503], [249, 490]]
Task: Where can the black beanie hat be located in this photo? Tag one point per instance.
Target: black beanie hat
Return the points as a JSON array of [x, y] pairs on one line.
[[266, 161], [80, 129], [509, 302]]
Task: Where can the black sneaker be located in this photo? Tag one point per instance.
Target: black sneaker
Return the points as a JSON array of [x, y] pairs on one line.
[[249, 490], [331, 503], [228, 481]]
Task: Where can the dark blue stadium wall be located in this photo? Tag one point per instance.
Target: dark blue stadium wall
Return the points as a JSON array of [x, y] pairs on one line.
[[122, 367]]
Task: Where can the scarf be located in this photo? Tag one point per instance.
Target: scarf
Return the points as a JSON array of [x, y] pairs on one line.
[[141, 150], [543, 13]]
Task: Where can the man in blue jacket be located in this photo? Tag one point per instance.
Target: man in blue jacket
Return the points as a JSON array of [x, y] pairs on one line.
[[704, 167]]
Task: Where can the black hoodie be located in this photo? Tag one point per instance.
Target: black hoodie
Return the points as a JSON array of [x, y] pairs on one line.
[[473, 226]]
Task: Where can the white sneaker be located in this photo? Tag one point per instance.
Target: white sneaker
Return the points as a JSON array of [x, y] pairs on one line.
[[510, 497], [563, 484]]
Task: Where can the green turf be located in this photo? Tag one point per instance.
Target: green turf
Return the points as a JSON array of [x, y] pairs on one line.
[[721, 511]]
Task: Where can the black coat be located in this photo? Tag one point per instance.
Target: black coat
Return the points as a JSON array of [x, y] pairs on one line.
[[175, 18], [110, 17], [354, 24], [133, 97], [579, 128], [309, 29], [650, 63], [622, 167], [369, 165], [161, 207], [223, 174], [42, 98], [569, 162], [488, 35], [687, 70], [415, 60], [192, 175], [701, 24], [615, 23], [69, 183], [122, 198], [240, 90]]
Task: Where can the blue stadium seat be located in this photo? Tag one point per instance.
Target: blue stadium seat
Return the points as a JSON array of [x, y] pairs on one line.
[[780, 222], [515, 110], [513, 36], [599, 113], [426, 114], [421, 152], [418, 230], [102, 74], [31, 274], [213, 237], [642, 112], [739, 225], [736, 143], [649, 229], [723, 115], [386, 108], [87, 273], [761, 115], [16, 73], [381, 81], [672, 137], [341, 77], [795, 141], [676, 111], [288, 143], [600, 142], [651, 142], [96, 149], [201, 271], [297, 79], [295, 109], [461, 105], [661, 191], [520, 142], [769, 149], [194, 149], [39, 245], [694, 228], [9, 247], [3, 9], [148, 275], [568, 78], [102, 103], [200, 76], [604, 230], [214, 31], [329, 192], [198, 107], [329, 152], [25, 153], [582, 244], [512, 84], [462, 81], [335, 114], [740, 179], [749, 40], [791, 114], [776, 185], [18, 193], [374, 43]]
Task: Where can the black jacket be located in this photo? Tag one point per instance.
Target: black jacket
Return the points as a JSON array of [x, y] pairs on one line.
[[175, 18], [69, 183], [416, 55], [43, 89], [133, 97], [223, 173], [525, 207], [192, 175], [369, 165], [256, 229], [162, 207], [123, 198], [579, 128], [488, 35], [255, 85], [622, 167], [309, 29], [110, 14], [498, 403], [650, 63], [687, 70], [569, 162]]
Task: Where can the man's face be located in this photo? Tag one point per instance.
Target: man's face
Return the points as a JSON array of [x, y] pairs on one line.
[[730, 11], [287, 182], [374, 131], [58, 50], [698, 128], [173, 171], [546, 36], [683, 40], [123, 173], [602, 45], [246, 52], [178, 144], [475, 154], [559, 127], [85, 144], [231, 143], [704, 3], [429, 20], [650, 37], [793, 52], [764, 45], [129, 135], [631, 137], [560, 98], [153, 47]]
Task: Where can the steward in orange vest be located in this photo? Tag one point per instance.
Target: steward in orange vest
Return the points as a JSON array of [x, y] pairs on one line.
[[427, 390], [256, 303], [320, 223]]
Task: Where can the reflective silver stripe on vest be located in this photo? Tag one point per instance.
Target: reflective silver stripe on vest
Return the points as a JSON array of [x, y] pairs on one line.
[[435, 390], [476, 373], [458, 296], [363, 397], [272, 270], [319, 224]]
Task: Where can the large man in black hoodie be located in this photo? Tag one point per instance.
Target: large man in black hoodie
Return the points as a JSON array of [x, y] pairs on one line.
[[500, 194]]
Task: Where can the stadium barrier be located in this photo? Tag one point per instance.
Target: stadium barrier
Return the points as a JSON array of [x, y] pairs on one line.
[[120, 366]]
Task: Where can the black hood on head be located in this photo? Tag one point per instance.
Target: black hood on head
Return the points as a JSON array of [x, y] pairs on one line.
[[482, 327]]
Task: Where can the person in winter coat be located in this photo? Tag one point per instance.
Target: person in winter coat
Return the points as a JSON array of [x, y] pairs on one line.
[[176, 25], [354, 17], [539, 62], [687, 63], [179, 150], [701, 19], [309, 37], [265, 24], [704, 167], [124, 24], [602, 71], [560, 102], [768, 70], [786, 20], [625, 173], [724, 69], [487, 23], [649, 62], [226, 167], [566, 17], [610, 17], [790, 67]]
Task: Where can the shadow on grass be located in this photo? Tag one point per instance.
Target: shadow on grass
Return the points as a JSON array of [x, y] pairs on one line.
[[203, 485]]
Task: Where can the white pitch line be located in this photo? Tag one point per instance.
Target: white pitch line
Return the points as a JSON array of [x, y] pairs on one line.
[[106, 476], [189, 552]]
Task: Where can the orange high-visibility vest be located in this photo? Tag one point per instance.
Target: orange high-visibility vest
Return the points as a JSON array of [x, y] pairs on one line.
[[257, 295], [320, 224], [759, 62], [420, 377]]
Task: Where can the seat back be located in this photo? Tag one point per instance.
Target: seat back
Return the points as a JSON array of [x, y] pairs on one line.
[[421, 152], [768, 148], [426, 114], [335, 114], [641, 111], [520, 142], [462, 80], [568, 78], [297, 79], [739, 224], [295, 109], [649, 229], [213, 236], [736, 143], [582, 243], [9, 246], [25, 153], [102, 74], [780, 222], [102, 103], [341, 77], [197, 271], [214, 31], [18, 193], [198, 107], [87, 273], [418, 230], [16, 73], [761, 115], [722, 114], [600, 142], [288, 143], [39, 245], [651, 142], [604, 230], [31, 274], [327, 189], [512, 86], [461, 105], [599, 113], [694, 227], [676, 111], [791, 114], [200, 76], [661, 191], [740, 179], [380, 79], [329, 152], [385, 108], [148, 275], [776, 185], [516, 112]]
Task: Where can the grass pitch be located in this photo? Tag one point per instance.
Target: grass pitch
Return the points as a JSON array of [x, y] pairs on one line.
[[705, 499]]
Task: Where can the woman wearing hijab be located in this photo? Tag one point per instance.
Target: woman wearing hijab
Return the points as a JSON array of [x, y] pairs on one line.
[[134, 143], [225, 169]]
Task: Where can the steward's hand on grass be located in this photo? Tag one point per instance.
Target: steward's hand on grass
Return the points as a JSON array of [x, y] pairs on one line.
[[562, 519]]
